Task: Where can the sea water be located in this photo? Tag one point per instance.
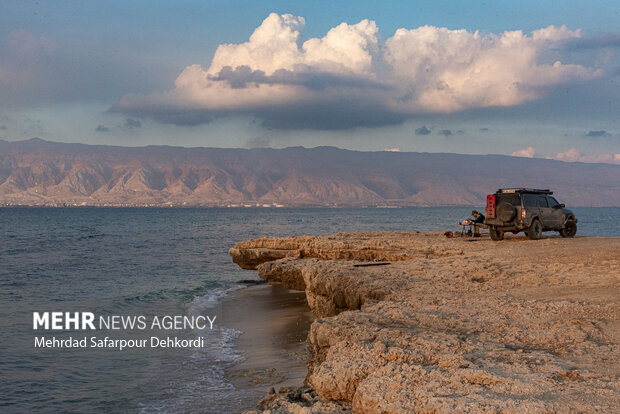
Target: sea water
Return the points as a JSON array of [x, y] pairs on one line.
[[154, 262]]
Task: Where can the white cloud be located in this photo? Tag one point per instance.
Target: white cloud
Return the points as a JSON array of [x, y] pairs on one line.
[[529, 152], [271, 51], [347, 72], [573, 155], [345, 48], [272, 46], [451, 70]]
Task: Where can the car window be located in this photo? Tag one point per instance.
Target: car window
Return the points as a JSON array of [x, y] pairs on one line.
[[553, 202], [509, 198], [529, 200], [542, 201]]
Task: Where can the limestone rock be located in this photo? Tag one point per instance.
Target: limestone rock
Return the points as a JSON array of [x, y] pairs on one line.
[[301, 400], [250, 258], [453, 325]]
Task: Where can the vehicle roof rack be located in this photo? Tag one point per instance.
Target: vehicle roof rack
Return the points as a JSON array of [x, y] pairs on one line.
[[524, 190]]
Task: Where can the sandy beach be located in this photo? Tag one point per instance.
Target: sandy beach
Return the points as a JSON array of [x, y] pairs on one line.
[[450, 325], [275, 322]]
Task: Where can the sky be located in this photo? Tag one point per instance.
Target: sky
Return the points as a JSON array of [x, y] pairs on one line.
[[527, 78]]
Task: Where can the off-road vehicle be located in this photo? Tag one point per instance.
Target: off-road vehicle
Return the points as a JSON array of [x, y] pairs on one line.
[[527, 209]]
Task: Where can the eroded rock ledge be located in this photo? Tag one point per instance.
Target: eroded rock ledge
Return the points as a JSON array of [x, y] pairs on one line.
[[452, 325]]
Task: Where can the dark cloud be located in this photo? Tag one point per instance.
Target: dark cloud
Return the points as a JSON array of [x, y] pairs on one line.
[[600, 133], [3, 127], [333, 112], [449, 132], [343, 102], [101, 128], [423, 130], [243, 77], [131, 123], [170, 114], [240, 76], [342, 111]]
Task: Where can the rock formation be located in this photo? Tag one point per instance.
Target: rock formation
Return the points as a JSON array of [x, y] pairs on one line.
[[451, 325]]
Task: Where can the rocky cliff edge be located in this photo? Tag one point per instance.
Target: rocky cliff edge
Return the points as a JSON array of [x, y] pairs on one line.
[[450, 325]]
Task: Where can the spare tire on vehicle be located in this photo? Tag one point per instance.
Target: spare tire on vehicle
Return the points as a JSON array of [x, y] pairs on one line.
[[505, 211]]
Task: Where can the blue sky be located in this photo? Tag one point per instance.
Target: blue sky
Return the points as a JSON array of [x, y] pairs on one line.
[[105, 73]]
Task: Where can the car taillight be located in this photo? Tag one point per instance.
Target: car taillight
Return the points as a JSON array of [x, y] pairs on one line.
[[523, 214]]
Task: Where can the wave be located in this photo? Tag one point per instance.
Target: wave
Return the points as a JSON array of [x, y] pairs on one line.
[[202, 385], [211, 299]]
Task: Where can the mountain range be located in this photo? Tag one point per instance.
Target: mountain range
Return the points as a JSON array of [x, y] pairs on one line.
[[43, 173]]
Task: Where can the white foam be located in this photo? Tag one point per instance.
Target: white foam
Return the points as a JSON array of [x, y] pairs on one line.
[[200, 304], [205, 366]]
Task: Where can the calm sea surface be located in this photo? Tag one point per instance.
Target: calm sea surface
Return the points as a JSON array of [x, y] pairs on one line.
[[154, 262]]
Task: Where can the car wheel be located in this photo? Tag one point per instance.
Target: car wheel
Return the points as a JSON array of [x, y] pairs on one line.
[[534, 232], [496, 235], [505, 212], [569, 230]]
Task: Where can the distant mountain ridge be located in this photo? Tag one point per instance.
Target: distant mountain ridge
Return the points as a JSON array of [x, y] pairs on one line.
[[42, 173]]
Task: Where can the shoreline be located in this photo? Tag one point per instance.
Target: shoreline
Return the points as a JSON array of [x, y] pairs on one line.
[[450, 325], [275, 323]]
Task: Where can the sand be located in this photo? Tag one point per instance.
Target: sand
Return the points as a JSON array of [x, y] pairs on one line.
[[275, 323]]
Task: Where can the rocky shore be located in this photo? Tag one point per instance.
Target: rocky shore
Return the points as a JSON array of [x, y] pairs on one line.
[[450, 325]]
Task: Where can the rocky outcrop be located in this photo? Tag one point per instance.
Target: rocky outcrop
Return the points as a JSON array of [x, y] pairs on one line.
[[251, 258], [455, 325], [299, 400], [377, 246]]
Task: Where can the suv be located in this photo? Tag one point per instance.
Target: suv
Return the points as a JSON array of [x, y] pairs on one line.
[[527, 209]]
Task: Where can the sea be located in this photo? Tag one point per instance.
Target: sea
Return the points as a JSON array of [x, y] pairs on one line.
[[155, 262]]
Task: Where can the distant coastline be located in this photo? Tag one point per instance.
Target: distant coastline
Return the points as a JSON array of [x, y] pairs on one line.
[[241, 207], [42, 173]]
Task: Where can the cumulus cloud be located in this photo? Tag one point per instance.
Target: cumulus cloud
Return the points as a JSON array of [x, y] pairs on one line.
[[101, 128], [573, 155], [529, 152], [446, 132], [347, 78]]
